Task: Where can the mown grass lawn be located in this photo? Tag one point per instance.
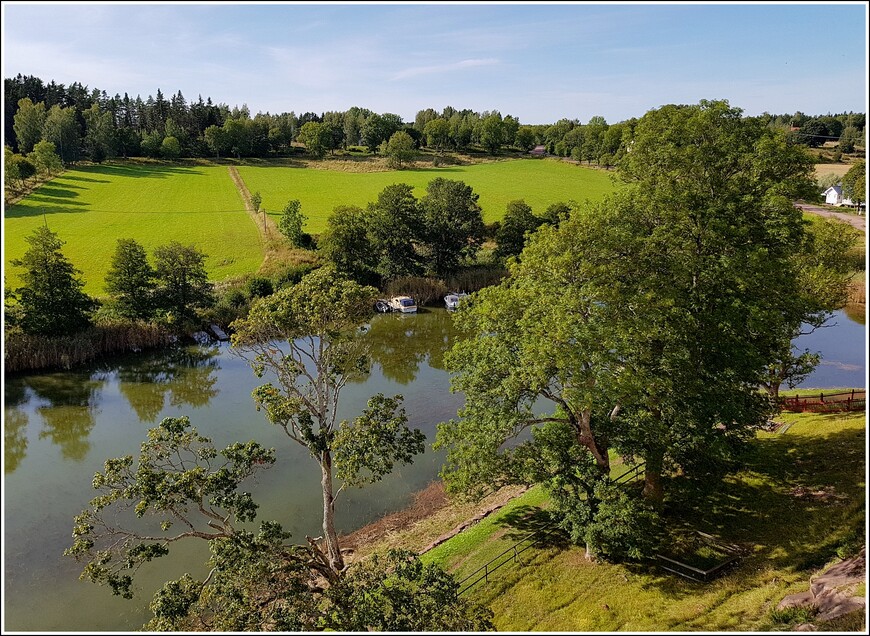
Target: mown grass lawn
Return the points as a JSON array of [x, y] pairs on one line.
[[787, 537], [91, 207], [539, 182]]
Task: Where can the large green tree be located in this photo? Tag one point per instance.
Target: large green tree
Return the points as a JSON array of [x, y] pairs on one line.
[[306, 340], [182, 282], [855, 183], [644, 324], [61, 128], [518, 221], [291, 222], [51, 301], [395, 225], [346, 244], [453, 225], [130, 280], [29, 120], [399, 150]]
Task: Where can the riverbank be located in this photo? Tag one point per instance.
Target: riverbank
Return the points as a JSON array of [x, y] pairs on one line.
[[792, 510]]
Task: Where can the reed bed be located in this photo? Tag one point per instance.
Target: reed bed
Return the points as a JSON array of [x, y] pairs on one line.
[[23, 352]]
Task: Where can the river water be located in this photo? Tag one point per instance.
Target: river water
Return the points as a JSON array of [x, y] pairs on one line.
[[60, 427]]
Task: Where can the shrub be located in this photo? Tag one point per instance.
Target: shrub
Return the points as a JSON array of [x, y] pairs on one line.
[[624, 527], [292, 275], [258, 287]]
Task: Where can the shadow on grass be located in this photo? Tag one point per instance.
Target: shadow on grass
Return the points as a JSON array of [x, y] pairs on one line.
[[140, 171], [796, 501], [526, 520]]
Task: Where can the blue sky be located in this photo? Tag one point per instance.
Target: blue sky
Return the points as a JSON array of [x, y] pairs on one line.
[[537, 62]]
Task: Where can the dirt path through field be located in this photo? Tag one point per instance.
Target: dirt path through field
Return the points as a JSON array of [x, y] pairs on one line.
[[275, 249], [859, 222]]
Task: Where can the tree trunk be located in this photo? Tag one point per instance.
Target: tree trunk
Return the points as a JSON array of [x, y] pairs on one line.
[[652, 478], [333, 551]]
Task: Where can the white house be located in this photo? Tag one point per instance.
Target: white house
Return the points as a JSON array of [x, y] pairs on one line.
[[834, 196]]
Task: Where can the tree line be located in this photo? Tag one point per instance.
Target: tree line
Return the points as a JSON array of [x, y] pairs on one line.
[[89, 123]]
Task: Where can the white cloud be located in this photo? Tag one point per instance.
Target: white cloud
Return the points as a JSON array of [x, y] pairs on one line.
[[416, 71]]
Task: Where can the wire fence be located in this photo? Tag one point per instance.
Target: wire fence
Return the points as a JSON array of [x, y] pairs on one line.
[[511, 554]]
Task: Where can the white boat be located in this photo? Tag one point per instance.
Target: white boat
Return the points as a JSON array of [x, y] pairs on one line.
[[404, 304], [451, 300], [382, 306]]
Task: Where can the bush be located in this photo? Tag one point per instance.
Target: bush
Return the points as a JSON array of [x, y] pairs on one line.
[[258, 287], [624, 527], [292, 274], [235, 298]]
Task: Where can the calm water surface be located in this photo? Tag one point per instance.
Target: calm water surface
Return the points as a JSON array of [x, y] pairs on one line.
[[60, 427]]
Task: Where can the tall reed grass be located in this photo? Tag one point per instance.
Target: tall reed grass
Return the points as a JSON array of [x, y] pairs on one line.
[[23, 352]]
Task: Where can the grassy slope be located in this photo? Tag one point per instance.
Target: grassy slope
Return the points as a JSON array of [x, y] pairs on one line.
[[788, 539], [539, 182], [90, 207]]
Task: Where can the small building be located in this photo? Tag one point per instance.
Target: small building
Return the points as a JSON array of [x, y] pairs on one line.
[[834, 196], [538, 151]]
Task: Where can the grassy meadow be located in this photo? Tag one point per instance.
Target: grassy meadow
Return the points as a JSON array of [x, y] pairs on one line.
[[787, 537], [90, 207], [539, 182]]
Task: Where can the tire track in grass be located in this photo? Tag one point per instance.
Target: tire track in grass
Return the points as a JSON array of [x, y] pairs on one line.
[[275, 250]]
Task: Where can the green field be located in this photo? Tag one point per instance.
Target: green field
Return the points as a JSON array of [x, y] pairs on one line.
[[539, 182], [91, 207]]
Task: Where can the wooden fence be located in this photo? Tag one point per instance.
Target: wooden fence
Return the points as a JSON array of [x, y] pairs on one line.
[[853, 400]]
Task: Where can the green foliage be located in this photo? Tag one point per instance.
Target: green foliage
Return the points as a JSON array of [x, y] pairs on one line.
[[397, 592], [170, 148], [855, 182], [256, 201], [291, 222], [437, 133], [518, 221], [258, 287], [292, 274], [51, 301], [393, 223], [45, 158], [182, 282], [28, 122], [320, 320], [367, 449], [130, 280], [793, 616], [399, 150], [316, 137], [179, 480], [346, 243], [624, 527], [452, 225]]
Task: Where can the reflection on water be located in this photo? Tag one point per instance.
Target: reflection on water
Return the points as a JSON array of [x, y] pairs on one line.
[[856, 313], [60, 427], [14, 439], [67, 403], [400, 343], [186, 375]]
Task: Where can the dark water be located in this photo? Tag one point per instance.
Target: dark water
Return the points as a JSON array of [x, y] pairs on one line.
[[60, 427]]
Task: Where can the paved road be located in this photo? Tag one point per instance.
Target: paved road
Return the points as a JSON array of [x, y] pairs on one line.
[[854, 220]]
